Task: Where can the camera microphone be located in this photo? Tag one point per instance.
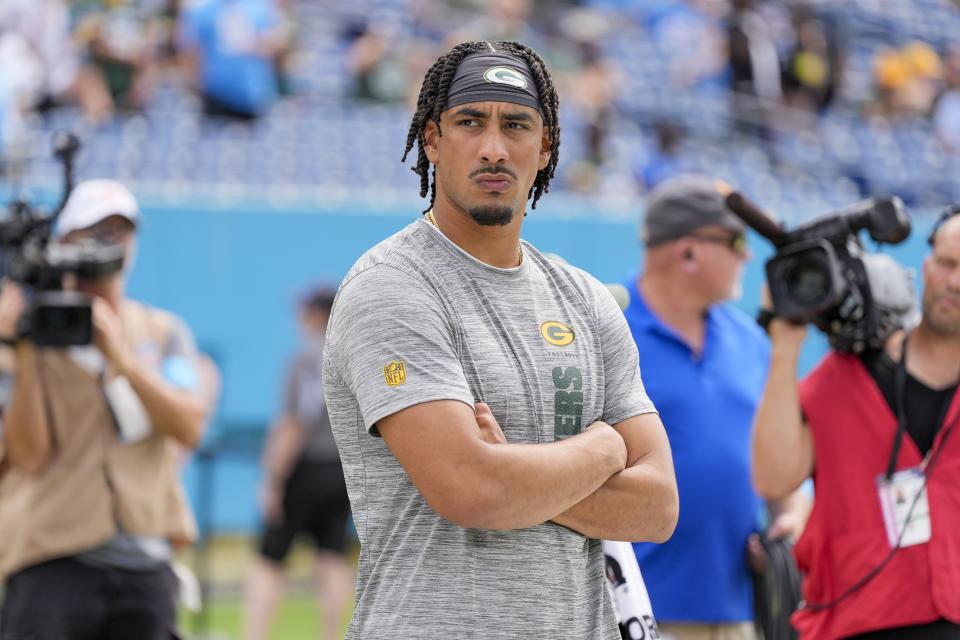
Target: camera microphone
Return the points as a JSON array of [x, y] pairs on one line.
[[755, 217]]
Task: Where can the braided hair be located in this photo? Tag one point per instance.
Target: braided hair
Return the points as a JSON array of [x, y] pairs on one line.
[[433, 98]]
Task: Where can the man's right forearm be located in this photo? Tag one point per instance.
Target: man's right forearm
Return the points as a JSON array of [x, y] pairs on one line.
[[782, 444], [26, 432], [521, 485]]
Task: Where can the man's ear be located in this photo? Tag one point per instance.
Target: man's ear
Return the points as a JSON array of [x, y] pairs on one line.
[[545, 150], [431, 133], [685, 256]]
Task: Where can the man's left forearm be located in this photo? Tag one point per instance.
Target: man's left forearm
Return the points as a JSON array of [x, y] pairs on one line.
[[639, 504]]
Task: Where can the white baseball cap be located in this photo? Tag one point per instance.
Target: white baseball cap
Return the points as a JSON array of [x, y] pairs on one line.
[[95, 200]]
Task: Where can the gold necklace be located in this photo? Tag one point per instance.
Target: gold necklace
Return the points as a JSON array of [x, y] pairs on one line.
[[433, 220]]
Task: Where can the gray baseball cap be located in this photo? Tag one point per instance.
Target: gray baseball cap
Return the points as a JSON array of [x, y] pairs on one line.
[[684, 204]]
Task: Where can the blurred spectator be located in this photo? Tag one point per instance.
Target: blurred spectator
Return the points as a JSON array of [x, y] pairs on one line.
[[754, 66], [231, 47], [374, 58], [946, 112], [122, 40], [503, 20], [283, 61], [926, 75], [303, 490], [907, 81], [12, 52], [388, 51], [589, 83], [813, 66], [663, 163], [39, 65], [890, 76], [674, 25]]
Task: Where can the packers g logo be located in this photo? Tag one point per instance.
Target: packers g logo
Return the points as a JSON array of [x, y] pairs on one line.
[[557, 333], [395, 373], [505, 75]]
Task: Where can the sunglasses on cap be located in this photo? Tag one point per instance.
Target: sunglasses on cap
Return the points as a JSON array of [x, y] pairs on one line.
[[948, 213], [736, 242]]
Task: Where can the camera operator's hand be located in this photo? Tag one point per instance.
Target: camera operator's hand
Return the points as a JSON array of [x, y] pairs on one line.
[[786, 334], [783, 333], [12, 305], [108, 336]]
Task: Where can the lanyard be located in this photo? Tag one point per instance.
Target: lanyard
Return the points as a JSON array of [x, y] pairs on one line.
[[900, 390]]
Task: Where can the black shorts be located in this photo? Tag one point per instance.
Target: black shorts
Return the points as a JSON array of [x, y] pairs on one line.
[[315, 503], [65, 599]]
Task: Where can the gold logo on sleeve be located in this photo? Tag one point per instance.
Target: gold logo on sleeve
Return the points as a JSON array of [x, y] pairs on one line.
[[557, 333], [395, 373]]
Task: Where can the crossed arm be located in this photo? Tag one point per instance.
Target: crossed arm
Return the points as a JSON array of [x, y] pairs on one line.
[[607, 482]]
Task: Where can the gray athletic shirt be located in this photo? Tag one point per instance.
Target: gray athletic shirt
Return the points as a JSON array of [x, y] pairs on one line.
[[546, 346]]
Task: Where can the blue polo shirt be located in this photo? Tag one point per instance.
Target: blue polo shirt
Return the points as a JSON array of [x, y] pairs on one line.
[[707, 405], [232, 71]]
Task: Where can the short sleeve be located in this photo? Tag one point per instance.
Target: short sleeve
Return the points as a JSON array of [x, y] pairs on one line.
[[392, 343], [624, 395], [179, 365]]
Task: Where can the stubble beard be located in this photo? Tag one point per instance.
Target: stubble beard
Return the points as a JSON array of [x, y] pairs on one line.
[[940, 324]]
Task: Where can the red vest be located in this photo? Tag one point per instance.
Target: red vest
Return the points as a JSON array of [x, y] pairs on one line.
[[853, 430]]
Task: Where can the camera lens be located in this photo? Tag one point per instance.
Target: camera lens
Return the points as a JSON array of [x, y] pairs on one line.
[[57, 321], [808, 283], [61, 318]]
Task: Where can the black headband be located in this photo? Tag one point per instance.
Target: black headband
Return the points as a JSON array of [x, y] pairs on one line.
[[493, 77]]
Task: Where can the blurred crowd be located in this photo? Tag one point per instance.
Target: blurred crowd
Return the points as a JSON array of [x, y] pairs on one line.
[[778, 65], [107, 56]]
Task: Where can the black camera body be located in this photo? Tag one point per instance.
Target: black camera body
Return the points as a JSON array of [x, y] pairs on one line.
[[821, 273], [30, 257]]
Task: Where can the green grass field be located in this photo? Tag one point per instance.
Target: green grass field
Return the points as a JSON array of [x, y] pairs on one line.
[[298, 617]]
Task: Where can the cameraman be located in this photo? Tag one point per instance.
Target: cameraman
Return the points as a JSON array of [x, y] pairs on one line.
[[881, 550], [90, 500]]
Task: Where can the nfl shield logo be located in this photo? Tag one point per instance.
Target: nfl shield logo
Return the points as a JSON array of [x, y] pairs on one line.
[[395, 374]]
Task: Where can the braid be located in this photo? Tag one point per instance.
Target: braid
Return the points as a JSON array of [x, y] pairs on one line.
[[433, 98]]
